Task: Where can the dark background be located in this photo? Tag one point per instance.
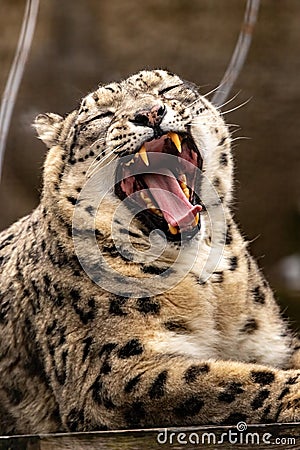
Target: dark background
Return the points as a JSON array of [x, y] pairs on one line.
[[79, 44]]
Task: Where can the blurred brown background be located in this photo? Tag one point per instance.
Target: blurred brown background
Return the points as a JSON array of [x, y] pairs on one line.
[[79, 44]]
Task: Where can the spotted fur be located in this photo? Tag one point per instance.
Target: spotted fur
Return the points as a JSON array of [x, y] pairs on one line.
[[75, 357]]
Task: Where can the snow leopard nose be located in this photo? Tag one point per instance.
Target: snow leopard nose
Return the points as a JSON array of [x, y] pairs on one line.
[[150, 117]]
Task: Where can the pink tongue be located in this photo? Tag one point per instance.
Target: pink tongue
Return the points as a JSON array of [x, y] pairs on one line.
[[176, 208]]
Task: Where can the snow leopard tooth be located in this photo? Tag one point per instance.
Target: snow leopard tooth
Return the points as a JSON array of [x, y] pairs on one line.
[[144, 196], [173, 230], [186, 192], [156, 211], [176, 140], [143, 155], [196, 220], [185, 189]]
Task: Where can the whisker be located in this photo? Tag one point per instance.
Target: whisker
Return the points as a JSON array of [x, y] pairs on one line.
[[230, 100], [210, 92], [237, 107], [106, 155], [102, 156], [240, 138], [194, 101], [110, 157], [99, 141], [98, 167], [213, 90], [235, 131], [97, 160], [98, 163], [233, 125]]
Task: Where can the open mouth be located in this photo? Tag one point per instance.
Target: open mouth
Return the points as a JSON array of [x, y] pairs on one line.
[[162, 187]]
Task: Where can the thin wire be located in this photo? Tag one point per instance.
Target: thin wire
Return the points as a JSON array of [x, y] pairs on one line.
[[240, 53], [16, 72]]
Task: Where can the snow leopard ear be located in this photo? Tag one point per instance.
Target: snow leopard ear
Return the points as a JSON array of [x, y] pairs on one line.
[[48, 127]]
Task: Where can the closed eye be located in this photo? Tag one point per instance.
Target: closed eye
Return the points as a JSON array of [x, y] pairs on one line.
[[99, 116], [169, 88]]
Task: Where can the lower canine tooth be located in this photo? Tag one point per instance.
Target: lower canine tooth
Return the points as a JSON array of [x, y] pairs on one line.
[[173, 230], [186, 192], [185, 189]]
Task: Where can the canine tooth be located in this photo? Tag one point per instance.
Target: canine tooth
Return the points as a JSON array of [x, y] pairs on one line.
[[175, 139], [143, 155], [173, 230], [182, 178]]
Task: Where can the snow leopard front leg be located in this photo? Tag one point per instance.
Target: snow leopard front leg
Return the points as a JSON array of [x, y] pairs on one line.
[[133, 389]]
